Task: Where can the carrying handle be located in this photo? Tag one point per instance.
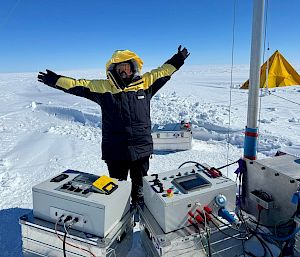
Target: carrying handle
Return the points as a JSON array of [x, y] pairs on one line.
[[114, 187]]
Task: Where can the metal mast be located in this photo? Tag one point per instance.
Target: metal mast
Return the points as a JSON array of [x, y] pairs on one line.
[[251, 132]]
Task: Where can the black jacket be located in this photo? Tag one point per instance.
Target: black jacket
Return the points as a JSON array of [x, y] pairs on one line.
[[126, 125]]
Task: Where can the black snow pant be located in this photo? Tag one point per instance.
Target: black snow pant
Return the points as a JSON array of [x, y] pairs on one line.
[[138, 169]]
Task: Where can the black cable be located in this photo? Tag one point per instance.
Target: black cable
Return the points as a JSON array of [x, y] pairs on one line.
[[222, 167], [246, 232], [197, 163], [242, 219], [68, 218], [64, 244], [225, 224], [243, 245], [249, 253], [253, 232], [283, 225], [268, 248], [262, 244], [208, 245], [237, 238]]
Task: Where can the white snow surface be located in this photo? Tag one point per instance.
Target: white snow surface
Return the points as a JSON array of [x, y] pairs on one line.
[[44, 131]]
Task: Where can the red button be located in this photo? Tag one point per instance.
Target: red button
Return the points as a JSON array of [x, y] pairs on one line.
[[169, 191]]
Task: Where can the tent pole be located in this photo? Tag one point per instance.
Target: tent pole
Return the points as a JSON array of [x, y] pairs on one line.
[[251, 131]]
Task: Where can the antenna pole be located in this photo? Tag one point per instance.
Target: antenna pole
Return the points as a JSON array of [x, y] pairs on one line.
[[251, 132]]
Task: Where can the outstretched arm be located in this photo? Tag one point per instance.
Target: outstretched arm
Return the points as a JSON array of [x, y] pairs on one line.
[[156, 78], [69, 85], [85, 88]]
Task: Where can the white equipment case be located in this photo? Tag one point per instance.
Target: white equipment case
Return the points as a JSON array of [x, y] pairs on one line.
[[279, 177], [71, 193], [171, 213], [172, 137]]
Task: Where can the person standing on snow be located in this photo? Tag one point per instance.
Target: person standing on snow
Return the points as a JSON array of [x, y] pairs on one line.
[[124, 98]]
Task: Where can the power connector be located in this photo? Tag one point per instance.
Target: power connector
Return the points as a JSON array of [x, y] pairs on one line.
[[73, 221], [77, 219], [68, 218], [60, 218]]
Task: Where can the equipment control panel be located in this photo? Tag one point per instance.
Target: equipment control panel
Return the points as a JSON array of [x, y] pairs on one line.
[[97, 206], [83, 184], [171, 195]]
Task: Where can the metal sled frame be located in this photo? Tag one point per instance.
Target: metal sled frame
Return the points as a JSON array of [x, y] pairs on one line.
[[40, 239]]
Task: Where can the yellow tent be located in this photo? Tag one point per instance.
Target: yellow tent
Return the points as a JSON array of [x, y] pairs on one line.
[[280, 73]]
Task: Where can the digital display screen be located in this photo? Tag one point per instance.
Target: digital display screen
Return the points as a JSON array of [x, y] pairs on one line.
[[193, 183], [86, 178], [190, 183]]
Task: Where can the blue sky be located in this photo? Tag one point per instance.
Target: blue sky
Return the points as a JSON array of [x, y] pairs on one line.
[[82, 34]]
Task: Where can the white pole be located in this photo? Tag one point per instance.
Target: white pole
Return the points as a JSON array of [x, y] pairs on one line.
[[251, 133], [255, 62]]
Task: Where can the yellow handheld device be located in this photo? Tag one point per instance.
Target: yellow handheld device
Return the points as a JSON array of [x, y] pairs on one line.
[[105, 185]]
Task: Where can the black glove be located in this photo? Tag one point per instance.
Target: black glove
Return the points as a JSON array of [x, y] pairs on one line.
[[177, 60], [184, 52], [50, 78]]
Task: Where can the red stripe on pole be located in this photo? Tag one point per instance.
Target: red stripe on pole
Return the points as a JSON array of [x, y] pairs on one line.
[[251, 134]]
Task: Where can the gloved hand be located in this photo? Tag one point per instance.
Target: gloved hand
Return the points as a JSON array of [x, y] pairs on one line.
[[184, 52], [50, 78], [177, 60]]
